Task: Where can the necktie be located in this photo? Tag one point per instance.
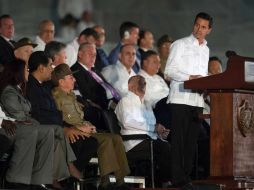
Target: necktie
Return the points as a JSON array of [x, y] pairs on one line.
[[105, 85], [11, 42]]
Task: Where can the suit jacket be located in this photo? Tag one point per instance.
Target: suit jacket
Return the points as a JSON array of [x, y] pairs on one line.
[[89, 87], [6, 51], [44, 108], [101, 59], [18, 107], [15, 104]]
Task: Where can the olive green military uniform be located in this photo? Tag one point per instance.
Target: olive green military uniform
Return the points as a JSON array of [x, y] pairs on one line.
[[111, 151]]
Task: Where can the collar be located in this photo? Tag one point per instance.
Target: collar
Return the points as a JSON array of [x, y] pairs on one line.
[[58, 90], [143, 72], [33, 79], [39, 40], [7, 39], [195, 41], [85, 67], [134, 97], [120, 65]]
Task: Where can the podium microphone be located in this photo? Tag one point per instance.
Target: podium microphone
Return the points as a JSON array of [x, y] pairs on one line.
[[230, 53]]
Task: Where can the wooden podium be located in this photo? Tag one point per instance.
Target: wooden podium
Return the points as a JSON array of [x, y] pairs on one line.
[[231, 117]]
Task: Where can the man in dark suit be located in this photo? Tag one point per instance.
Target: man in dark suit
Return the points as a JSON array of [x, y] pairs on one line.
[[92, 85], [101, 57], [6, 44], [45, 111]]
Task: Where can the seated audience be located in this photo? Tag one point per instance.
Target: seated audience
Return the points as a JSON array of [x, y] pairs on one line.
[[46, 34], [23, 49], [145, 42], [157, 89], [56, 51], [128, 35], [91, 83], [101, 56], [45, 111], [6, 43], [86, 21], [33, 164], [16, 105], [32, 155], [136, 118], [118, 74], [88, 35], [111, 152], [214, 66], [163, 45]]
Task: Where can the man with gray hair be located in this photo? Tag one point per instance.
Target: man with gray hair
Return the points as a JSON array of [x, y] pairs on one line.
[[6, 44], [56, 51]]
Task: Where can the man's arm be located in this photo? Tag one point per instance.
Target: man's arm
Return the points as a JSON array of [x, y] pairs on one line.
[[174, 60], [131, 117]]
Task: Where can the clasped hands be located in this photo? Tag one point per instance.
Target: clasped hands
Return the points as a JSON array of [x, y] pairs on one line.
[[161, 131], [75, 133]]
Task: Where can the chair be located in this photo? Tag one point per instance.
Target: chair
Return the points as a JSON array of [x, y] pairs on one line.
[[5, 154], [112, 123]]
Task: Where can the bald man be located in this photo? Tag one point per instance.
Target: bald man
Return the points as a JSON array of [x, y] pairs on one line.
[[136, 118]]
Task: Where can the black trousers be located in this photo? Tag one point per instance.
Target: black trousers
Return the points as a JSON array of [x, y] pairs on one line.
[[161, 112], [185, 126], [84, 150], [161, 155], [5, 145]]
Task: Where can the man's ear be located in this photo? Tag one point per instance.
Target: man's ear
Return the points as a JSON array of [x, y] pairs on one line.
[[60, 82], [119, 56], [209, 31], [41, 68], [79, 53], [82, 39]]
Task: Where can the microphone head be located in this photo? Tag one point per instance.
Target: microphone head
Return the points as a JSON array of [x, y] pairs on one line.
[[230, 53]]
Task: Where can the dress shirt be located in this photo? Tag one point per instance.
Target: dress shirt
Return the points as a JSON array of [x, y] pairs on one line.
[[108, 91], [3, 116], [135, 118], [187, 57], [40, 44], [72, 52], [113, 57], [118, 76], [11, 42], [156, 88]]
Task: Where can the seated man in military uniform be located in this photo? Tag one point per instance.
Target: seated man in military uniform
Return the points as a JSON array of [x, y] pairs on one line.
[[111, 151]]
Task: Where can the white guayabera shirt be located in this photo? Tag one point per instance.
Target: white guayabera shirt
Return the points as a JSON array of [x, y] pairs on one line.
[[186, 58], [156, 88], [135, 118]]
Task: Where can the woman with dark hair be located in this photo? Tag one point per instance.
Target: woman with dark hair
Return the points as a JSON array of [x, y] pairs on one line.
[[33, 146], [15, 104]]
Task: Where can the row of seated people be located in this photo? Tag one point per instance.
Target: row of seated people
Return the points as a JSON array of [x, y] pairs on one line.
[[109, 147], [130, 33], [42, 110], [92, 84]]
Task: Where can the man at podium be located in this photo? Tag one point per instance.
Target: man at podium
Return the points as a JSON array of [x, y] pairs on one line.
[[188, 60]]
